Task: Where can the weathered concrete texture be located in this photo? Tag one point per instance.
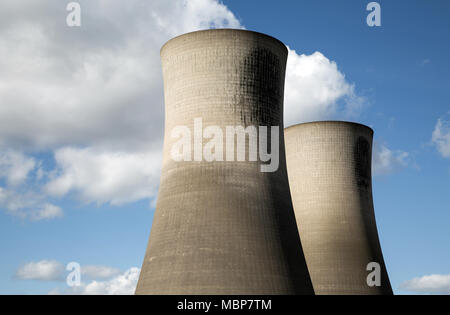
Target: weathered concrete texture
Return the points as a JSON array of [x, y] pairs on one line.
[[329, 169], [223, 227]]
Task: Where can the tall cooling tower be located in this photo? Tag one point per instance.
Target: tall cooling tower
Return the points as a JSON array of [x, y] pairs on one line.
[[329, 169], [223, 227]]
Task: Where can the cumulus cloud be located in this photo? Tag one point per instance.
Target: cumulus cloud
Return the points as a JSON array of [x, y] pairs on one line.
[[316, 90], [103, 280], [441, 136], [16, 196], [28, 205], [97, 87], [92, 96], [15, 166], [44, 270], [105, 176], [428, 284], [385, 160], [99, 84], [121, 284], [46, 211]]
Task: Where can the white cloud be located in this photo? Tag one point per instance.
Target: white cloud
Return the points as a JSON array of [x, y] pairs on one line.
[[122, 284], [28, 204], [385, 160], [115, 282], [45, 270], [441, 135], [99, 272], [16, 196], [46, 211], [105, 176], [91, 95], [15, 166], [15, 203], [99, 84], [428, 284], [316, 90]]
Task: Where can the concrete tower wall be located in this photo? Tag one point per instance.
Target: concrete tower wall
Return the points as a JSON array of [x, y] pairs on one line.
[[223, 227], [329, 169]]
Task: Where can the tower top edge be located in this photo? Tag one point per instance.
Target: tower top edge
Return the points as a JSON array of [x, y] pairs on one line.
[[224, 30], [329, 122]]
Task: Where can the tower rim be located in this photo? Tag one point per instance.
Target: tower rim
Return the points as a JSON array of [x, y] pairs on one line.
[[236, 30], [323, 122]]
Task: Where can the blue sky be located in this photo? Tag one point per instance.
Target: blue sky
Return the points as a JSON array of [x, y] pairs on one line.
[[81, 125]]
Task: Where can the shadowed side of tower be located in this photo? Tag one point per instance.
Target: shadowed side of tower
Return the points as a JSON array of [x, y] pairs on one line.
[[329, 169], [223, 227]]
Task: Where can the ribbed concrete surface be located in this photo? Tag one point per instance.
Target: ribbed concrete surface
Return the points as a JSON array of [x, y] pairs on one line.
[[329, 169], [223, 227]]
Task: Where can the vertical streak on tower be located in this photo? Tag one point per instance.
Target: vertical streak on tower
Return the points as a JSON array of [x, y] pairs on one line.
[[329, 169], [223, 227]]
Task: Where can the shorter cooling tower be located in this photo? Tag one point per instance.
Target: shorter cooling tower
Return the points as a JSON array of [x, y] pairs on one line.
[[329, 170]]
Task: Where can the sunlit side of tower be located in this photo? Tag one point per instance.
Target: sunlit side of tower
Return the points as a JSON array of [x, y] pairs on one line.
[[329, 169], [223, 227]]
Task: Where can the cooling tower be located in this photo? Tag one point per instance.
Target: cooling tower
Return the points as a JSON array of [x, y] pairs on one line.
[[223, 227], [329, 169]]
